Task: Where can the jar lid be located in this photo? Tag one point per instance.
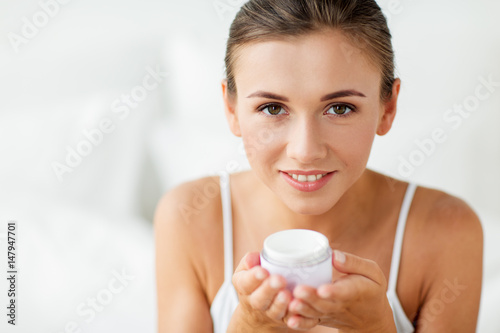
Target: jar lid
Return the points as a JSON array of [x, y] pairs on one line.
[[296, 247]]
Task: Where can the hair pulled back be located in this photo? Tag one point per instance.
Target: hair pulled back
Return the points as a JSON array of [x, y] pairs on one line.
[[361, 21]]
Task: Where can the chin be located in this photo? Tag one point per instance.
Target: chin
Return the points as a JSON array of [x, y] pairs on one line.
[[305, 208]]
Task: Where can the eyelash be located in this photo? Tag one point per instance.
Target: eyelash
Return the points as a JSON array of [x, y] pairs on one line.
[[351, 107]]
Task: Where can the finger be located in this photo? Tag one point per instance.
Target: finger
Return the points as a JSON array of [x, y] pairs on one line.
[[300, 307], [244, 282], [349, 287], [251, 259], [310, 303], [351, 264], [263, 296], [279, 307], [297, 322], [247, 281]]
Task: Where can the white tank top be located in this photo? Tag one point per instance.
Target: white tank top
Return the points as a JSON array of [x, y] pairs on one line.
[[226, 299]]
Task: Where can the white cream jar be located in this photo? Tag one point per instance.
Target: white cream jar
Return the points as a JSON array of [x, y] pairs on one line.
[[301, 256]]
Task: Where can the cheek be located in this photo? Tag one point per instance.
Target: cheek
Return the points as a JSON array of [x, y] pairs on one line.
[[362, 146], [260, 140], [353, 144]]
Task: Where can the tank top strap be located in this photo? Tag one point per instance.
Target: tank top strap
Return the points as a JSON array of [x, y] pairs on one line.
[[398, 239], [227, 222]]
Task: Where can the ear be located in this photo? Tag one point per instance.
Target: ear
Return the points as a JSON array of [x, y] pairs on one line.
[[389, 110], [230, 110]]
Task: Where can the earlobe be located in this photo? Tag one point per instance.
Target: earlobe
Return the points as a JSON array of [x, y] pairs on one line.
[[230, 110], [389, 110]]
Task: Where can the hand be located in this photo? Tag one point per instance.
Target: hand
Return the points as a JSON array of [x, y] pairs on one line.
[[263, 298], [355, 302]]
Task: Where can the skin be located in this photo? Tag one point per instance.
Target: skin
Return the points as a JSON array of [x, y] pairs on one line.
[[357, 209]]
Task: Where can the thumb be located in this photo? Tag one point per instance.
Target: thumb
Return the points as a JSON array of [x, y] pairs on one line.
[[251, 259], [350, 264]]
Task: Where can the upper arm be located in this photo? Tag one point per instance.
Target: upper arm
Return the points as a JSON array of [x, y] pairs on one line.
[[453, 283], [182, 304]]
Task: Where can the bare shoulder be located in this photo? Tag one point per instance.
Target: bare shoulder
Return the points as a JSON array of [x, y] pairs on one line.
[[447, 245], [448, 217], [189, 215], [190, 202], [186, 243], [448, 227]]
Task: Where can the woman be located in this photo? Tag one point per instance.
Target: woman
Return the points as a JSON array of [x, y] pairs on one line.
[[309, 85]]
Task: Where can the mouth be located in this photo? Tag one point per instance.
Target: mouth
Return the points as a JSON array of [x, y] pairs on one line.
[[307, 178], [307, 181]]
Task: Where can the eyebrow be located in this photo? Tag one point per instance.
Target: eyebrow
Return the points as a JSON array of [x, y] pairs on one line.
[[337, 94]]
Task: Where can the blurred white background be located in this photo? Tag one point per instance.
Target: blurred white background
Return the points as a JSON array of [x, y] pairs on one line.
[[84, 199]]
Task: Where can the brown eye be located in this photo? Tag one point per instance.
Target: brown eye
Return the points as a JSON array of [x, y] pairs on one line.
[[340, 109], [273, 109]]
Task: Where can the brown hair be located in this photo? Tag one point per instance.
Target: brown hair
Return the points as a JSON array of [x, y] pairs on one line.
[[361, 21]]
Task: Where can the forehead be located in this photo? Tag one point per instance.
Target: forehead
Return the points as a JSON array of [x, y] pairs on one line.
[[311, 64]]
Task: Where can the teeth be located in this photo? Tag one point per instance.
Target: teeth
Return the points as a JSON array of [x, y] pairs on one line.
[[306, 178]]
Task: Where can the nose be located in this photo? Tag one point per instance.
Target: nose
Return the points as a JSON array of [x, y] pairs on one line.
[[305, 143]]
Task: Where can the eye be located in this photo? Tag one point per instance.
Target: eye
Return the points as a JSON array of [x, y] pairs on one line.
[[340, 109], [272, 109]]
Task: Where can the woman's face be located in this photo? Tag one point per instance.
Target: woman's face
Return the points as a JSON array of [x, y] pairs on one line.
[[307, 109]]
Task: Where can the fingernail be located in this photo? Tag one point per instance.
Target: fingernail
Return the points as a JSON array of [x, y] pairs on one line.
[[275, 282], [301, 293], [293, 323], [260, 275], [295, 305], [281, 298], [323, 292], [339, 256]]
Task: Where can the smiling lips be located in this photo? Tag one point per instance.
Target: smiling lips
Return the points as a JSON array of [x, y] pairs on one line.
[[307, 181]]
